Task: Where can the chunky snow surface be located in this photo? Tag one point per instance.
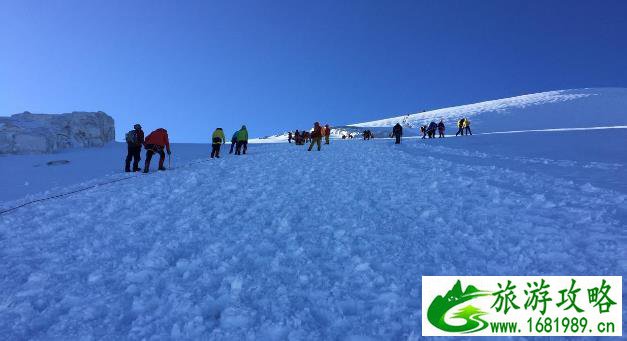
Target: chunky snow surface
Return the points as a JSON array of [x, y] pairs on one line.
[[45, 133], [282, 244]]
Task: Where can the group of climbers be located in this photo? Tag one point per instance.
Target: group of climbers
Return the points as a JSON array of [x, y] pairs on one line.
[[429, 130], [239, 142], [299, 137], [158, 142], [312, 137], [463, 126], [155, 143]]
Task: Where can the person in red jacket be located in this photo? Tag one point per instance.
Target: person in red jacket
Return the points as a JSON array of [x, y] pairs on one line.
[[327, 134], [316, 136], [155, 142]]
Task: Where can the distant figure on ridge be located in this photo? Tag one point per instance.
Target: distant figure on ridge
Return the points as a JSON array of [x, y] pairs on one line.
[[441, 128], [155, 143], [397, 132], [134, 142], [423, 130], [242, 141], [289, 137], [460, 126], [431, 129], [217, 139], [467, 126]]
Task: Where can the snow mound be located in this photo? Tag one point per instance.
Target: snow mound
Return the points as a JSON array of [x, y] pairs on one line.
[[45, 133]]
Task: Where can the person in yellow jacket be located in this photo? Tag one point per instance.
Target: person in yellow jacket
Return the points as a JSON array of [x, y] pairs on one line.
[[460, 127], [217, 139], [467, 126]]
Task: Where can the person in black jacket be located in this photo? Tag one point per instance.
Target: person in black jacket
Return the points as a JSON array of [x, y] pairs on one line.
[[431, 129], [397, 132], [134, 142], [460, 126], [441, 128]]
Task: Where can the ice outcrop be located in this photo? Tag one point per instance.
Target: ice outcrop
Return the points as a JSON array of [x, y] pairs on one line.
[[46, 133]]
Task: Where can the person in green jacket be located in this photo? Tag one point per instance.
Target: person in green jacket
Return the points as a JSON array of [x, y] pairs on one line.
[[242, 141], [217, 139]]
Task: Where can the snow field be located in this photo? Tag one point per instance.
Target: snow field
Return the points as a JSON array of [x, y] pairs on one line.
[[282, 244]]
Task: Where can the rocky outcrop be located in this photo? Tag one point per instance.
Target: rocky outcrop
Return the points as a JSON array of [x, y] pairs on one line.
[[47, 133]]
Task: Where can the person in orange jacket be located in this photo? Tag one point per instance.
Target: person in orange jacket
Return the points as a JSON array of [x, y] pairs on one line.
[[316, 136], [155, 142]]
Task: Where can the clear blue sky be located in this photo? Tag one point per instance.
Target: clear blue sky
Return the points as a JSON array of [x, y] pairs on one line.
[[191, 66]]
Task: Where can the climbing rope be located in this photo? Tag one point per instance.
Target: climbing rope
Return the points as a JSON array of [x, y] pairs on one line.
[[82, 190]]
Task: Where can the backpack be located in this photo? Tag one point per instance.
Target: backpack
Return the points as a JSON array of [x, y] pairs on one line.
[[131, 137]]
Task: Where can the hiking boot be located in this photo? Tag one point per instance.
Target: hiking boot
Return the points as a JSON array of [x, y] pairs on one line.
[[161, 168]]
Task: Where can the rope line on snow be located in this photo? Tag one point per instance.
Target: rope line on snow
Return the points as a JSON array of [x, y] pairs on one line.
[[81, 190], [62, 194]]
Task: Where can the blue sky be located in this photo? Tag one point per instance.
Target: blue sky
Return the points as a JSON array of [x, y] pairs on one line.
[[191, 66]]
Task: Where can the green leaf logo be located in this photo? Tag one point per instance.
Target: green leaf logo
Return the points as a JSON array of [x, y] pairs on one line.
[[453, 298]]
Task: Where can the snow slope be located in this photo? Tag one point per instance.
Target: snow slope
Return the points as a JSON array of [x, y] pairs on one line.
[[553, 109], [575, 108], [283, 244]]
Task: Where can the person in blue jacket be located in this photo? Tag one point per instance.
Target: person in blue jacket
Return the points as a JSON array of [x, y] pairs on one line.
[[233, 141]]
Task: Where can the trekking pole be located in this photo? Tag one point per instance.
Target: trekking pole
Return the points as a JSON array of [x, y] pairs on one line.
[[169, 157]]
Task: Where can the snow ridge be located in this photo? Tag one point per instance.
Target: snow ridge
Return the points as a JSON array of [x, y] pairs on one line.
[[470, 110], [576, 108]]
